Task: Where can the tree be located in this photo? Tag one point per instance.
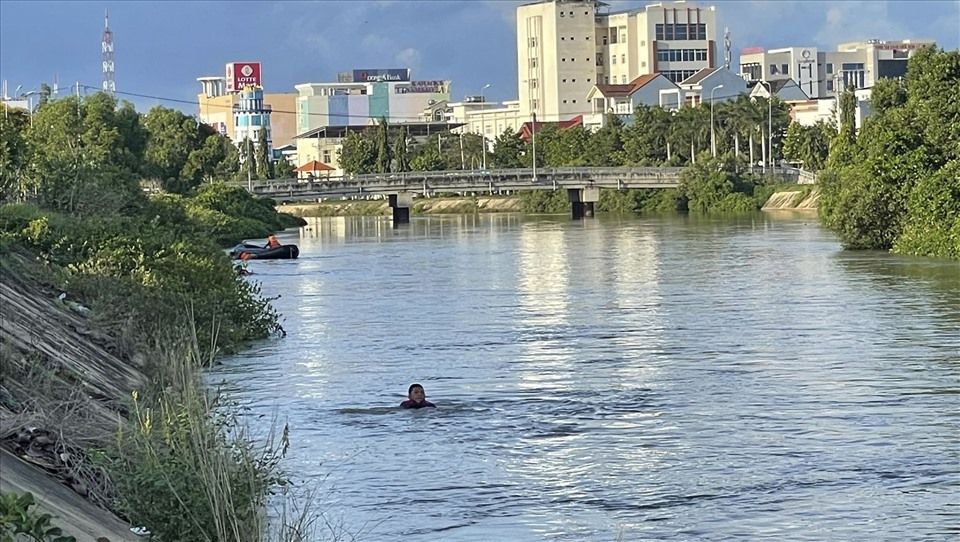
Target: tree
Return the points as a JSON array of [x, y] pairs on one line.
[[81, 163], [605, 146], [428, 160], [808, 145], [887, 93], [284, 169], [264, 163], [14, 154], [172, 136], [507, 150], [215, 160], [382, 144], [400, 152], [248, 160], [358, 153]]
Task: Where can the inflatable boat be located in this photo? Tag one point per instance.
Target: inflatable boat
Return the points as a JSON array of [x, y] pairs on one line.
[[246, 251]]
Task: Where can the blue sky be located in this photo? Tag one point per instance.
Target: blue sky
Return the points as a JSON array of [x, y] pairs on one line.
[[162, 47]]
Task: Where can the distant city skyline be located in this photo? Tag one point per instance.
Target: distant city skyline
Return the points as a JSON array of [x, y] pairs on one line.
[[162, 48]]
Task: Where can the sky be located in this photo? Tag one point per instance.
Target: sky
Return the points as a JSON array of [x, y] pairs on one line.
[[162, 47]]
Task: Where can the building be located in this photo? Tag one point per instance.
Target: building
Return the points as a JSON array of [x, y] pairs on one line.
[[821, 74], [653, 89], [566, 47], [221, 98], [703, 86], [327, 112], [785, 89]]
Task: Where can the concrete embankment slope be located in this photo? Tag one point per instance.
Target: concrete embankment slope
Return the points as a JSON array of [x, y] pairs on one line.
[[795, 200], [62, 389]]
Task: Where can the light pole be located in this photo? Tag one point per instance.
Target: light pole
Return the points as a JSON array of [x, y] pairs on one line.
[[533, 136], [483, 123], [769, 124], [713, 134]]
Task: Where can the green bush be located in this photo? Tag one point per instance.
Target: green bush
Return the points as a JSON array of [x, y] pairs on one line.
[[18, 522]]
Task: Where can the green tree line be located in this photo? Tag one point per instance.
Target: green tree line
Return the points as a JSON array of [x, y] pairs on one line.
[[895, 185]]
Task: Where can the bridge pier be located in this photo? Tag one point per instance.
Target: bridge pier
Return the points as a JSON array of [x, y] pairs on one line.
[[582, 201], [401, 203]]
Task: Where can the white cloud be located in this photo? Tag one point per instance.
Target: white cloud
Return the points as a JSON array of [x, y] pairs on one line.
[[409, 58]]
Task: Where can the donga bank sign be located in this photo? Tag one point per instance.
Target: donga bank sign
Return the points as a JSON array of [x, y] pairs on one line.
[[381, 76]]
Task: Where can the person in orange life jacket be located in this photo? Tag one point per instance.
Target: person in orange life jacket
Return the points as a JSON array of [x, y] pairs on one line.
[[416, 398], [272, 242]]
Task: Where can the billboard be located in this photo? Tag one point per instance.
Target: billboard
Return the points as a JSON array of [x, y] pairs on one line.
[[417, 87], [242, 74], [381, 76]]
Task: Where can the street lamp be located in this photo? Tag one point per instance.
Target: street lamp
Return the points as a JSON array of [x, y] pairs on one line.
[[713, 134], [483, 124], [769, 124]]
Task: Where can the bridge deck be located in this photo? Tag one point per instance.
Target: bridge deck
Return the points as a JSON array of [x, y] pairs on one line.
[[433, 182]]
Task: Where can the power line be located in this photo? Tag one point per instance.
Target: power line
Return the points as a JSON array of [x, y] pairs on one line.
[[198, 104]]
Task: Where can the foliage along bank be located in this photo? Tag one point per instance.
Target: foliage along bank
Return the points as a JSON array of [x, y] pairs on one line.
[[895, 185], [150, 270]]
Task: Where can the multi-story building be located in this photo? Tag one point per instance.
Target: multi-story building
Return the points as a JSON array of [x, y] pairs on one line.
[[821, 74], [224, 107], [566, 47], [327, 112]]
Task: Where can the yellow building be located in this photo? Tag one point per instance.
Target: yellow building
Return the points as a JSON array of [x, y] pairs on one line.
[[565, 47]]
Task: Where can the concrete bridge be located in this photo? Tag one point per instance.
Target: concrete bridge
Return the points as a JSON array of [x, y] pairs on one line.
[[582, 184]]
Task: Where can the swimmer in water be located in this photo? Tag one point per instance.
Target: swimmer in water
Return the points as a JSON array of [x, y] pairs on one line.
[[416, 398]]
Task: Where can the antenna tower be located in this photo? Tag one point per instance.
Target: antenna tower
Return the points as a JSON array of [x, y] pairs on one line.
[[109, 84]]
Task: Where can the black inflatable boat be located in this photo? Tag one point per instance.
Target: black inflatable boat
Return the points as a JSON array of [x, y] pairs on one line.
[[246, 251]]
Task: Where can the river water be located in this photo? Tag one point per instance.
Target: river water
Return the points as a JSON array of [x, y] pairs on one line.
[[612, 379]]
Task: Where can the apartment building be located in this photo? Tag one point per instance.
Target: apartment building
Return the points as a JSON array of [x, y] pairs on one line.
[[566, 47], [822, 74]]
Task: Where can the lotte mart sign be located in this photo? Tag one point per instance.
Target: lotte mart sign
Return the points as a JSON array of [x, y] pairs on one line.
[[243, 74]]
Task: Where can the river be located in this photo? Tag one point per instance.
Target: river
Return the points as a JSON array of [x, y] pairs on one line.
[[612, 379]]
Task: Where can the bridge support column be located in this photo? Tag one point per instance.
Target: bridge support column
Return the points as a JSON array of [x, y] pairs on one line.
[[401, 203], [582, 200]]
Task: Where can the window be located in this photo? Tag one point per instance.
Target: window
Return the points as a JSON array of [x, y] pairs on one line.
[[562, 14], [623, 59], [613, 36], [774, 70], [604, 40], [613, 59], [326, 156], [562, 38], [588, 79], [533, 83], [659, 32], [829, 85], [623, 38], [574, 101], [564, 60], [606, 79], [599, 59], [668, 32], [784, 69], [829, 68], [533, 62], [533, 42], [534, 104], [573, 80], [680, 31], [643, 64], [643, 43], [623, 79], [702, 31], [564, 101], [588, 38], [563, 80]]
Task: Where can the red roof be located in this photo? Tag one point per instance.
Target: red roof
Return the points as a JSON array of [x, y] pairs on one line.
[[525, 129], [314, 166]]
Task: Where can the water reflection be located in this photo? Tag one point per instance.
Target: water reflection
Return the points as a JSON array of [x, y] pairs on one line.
[[655, 378]]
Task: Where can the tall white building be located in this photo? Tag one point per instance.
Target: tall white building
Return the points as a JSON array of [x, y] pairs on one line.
[[565, 47]]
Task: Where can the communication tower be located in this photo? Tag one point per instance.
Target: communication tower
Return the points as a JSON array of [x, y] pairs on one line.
[[109, 84], [726, 48]]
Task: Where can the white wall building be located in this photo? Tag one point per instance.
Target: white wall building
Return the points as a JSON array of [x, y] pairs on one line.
[[822, 74]]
